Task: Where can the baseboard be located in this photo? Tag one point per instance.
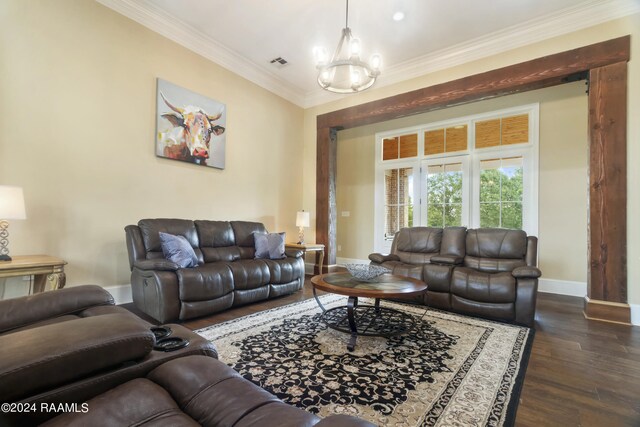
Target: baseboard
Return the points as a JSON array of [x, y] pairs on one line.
[[635, 314], [121, 294], [562, 287], [607, 311]]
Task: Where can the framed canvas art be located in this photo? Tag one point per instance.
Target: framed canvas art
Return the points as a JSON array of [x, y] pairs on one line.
[[189, 127]]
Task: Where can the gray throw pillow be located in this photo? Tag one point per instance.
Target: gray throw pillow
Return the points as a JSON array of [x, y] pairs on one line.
[[179, 250], [269, 246]]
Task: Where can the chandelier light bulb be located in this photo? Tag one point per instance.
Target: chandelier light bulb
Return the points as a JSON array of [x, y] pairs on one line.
[[355, 78], [375, 61], [325, 77], [320, 54], [354, 48]]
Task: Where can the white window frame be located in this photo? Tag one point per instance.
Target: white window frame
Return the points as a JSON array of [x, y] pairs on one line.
[[466, 173], [471, 170]]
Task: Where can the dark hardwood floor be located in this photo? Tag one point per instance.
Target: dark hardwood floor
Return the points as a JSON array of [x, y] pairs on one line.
[[581, 372]]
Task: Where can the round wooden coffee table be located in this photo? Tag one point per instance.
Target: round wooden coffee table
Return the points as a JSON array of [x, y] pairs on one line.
[[372, 320]]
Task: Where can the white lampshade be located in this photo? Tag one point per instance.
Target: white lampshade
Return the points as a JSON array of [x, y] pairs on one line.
[[302, 219], [12, 203]]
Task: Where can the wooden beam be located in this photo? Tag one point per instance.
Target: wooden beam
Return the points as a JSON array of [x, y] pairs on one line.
[[608, 183], [535, 74], [326, 214]]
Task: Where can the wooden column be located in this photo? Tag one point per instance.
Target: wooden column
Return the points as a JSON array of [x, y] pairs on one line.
[[607, 292], [326, 214]]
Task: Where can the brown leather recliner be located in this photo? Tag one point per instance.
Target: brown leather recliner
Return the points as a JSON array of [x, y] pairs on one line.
[[62, 305], [488, 272], [193, 391], [498, 277], [71, 344]]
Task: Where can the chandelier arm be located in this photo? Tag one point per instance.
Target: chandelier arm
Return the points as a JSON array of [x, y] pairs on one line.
[[345, 35]]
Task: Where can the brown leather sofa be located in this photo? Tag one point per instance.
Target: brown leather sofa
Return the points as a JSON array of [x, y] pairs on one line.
[[193, 391], [71, 358], [487, 272], [228, 274], [72, 344]]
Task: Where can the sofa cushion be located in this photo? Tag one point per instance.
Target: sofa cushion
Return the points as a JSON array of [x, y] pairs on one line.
[[215, 395], [153, 405], [419, 239], [217, 241], [205, 282], [437, 277], [243, 231], [285, 270], [483, 287], [453, 241], [150, 230], [177, 249], [249, 273], [269, 246], [496, 243], [417, 245]]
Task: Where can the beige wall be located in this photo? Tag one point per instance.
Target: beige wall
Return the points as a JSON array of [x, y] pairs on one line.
[[562, 183], [553, 170], [77, 109]]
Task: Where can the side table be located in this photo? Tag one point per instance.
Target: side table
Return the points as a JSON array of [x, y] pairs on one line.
[[43, 268], [318, 248]]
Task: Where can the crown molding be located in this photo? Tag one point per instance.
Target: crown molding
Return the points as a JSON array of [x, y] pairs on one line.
[[565, 21], [150, 16], [536, 30]]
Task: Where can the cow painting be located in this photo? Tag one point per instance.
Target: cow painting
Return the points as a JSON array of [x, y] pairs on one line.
[[190, 131]]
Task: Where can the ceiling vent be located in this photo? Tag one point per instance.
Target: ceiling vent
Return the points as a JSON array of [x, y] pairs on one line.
[[279, 62]]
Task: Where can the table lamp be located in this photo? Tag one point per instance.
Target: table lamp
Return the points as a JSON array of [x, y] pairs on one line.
[[11, 207], [302, 221]]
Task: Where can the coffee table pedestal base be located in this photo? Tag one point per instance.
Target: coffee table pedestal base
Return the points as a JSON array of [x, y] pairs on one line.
[[367, 320]]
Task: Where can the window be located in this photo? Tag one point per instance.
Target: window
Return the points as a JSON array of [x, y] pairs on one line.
[[501, 190], [398, 199], [445, 186], [400, 147], [475, 171]]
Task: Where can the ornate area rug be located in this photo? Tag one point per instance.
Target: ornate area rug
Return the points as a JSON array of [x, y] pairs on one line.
[[451, 370]]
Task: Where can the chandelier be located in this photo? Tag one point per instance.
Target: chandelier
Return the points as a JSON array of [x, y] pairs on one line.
[[346, 72]]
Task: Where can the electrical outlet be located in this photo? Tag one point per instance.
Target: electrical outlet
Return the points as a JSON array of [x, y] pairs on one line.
[[339, 248], [346, 213]]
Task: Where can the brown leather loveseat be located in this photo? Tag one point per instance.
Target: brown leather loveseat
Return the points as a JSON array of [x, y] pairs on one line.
[[228, 274], [487, 272]]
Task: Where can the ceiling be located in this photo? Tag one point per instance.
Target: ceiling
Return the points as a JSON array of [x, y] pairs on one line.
[[245, 35]]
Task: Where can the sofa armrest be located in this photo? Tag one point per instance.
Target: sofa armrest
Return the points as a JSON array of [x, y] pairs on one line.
[[380, 258], [293, 253], [526, 272], [38, 359], [156, 264], [22, 311], [447, 259]]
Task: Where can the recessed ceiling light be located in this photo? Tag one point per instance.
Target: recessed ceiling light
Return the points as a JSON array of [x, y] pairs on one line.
[[398, 16]]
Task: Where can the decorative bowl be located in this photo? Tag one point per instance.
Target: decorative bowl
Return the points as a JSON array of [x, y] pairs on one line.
[[366, 272]]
